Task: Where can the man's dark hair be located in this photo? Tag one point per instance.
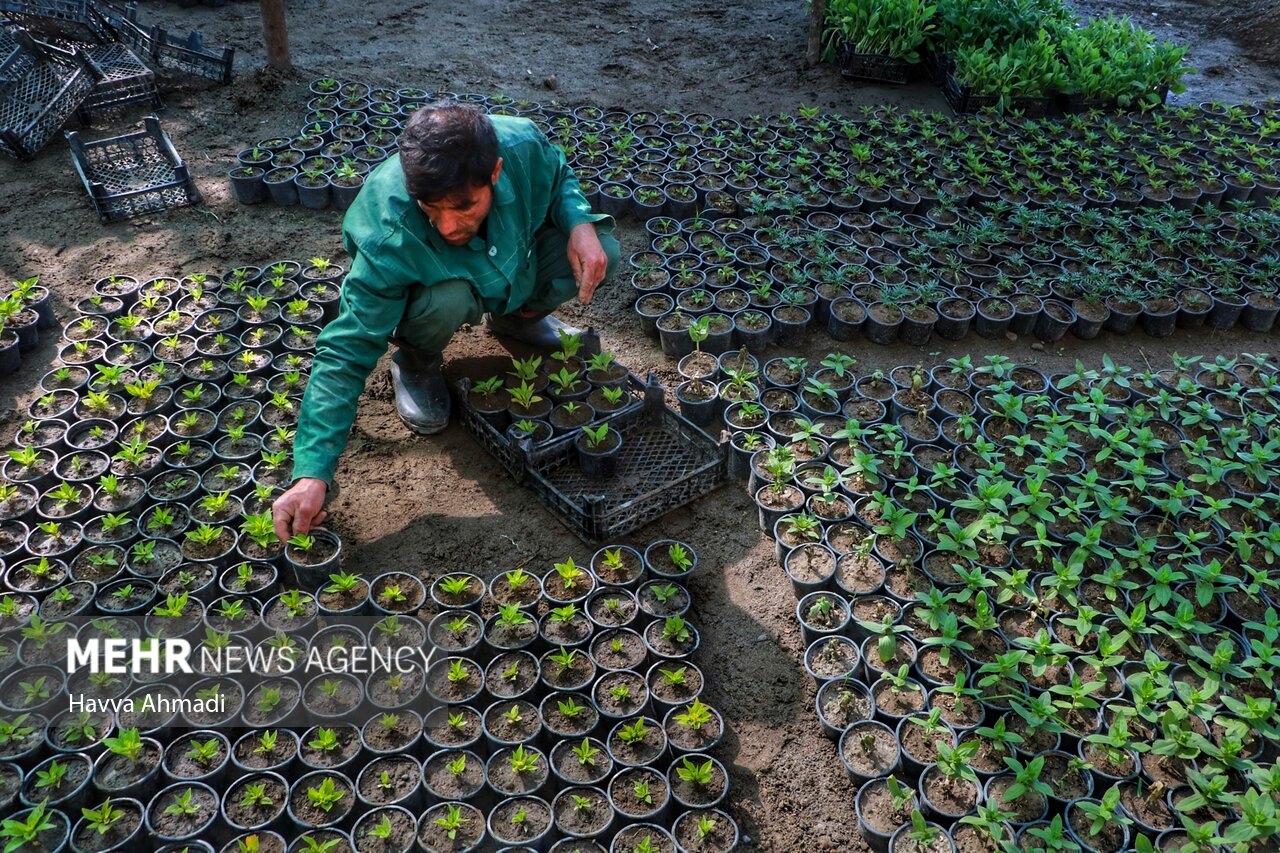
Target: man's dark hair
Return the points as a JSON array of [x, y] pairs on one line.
[[445, 147]]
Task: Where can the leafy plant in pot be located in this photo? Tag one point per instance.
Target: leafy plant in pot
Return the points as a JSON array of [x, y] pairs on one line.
[[883, 804], [598, 451], [111, 825], [454, 827], [313, 556], [780, 496], [698, 397], [920, 836]]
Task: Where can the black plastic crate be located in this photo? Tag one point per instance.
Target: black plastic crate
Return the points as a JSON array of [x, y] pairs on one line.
[[962, 100], [15, 59], [938, 66], [61, 20], [125, 80], [501, 447], [169, 51], [37, 103], [189, 55], [874, 67], [133, 174], [665, 463]]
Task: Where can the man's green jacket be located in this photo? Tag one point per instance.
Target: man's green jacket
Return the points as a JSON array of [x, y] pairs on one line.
[[394, 249]]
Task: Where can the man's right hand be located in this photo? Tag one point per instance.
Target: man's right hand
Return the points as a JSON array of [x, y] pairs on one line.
[[299, 509]]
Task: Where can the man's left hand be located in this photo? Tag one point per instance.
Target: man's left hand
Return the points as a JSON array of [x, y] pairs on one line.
[[587, 259]]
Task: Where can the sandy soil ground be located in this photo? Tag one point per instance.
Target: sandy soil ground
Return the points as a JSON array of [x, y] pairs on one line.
[[440, 504]]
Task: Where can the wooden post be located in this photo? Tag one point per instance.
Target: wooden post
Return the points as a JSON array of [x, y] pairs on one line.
[[817, 14], [275, 34]]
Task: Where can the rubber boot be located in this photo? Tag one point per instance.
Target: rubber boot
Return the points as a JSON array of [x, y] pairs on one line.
[[422, 397], [541, 330]]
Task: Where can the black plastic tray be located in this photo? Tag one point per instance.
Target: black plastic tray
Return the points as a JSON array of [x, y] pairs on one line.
[[46, 89], [133, 174], [170, 51], [15, 59], [665, 463], [874, 67], [62, 20], [125, 80], [962, 100]]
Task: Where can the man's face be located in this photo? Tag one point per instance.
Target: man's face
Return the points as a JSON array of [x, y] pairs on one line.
[[458, 217]]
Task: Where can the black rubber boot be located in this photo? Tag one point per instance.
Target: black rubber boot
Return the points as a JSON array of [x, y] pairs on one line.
[[542, 332], [422, 397]]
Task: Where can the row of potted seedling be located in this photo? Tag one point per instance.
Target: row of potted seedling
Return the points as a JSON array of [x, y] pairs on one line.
[[25, 312], [1022, 626], [652, 164], [510, 732], [889, 276]]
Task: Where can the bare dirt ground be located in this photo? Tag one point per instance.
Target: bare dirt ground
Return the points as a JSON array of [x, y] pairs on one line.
[[441, 504]]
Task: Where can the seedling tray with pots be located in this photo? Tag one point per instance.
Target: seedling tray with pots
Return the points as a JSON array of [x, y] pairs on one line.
[[665, 463], [45, 88], [125, 80], [133, 174]]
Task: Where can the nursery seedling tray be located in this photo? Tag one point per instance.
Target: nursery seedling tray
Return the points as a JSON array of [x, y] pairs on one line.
[[45, 89], [665, 463], [133, 174]]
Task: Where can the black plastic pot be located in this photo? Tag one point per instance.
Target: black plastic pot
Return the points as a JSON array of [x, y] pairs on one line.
[[876, 840], [1084, 840], [1160, 324], [1226, 311], [260, 818], [903, 831], [208, 801], [342, 195], [69, 797], [882, 331], [472, 817], [1257, 316], [280, 185], [954, 318], [789, 331], [311, 576], [1087, 328], [675, 341], [1056, 318], [884, 764], [1025, 315], [845, 318], [1123, 318], [599, 463], [128, 836], [992, 324], [10, 355], [530, 835], [701, 412], [247, 184], [340, 812], [648, 319], [915, 331], [755, 340]]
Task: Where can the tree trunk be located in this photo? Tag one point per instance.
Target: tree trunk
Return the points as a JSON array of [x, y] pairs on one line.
[[275, 34], [817, 14]]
